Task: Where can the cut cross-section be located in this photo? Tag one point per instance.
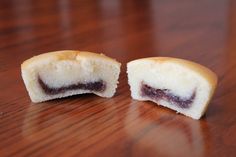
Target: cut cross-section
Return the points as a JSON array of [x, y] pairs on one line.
[[178, 84], [64, 73]]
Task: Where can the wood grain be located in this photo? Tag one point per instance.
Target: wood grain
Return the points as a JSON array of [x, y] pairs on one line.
[[87, 125]]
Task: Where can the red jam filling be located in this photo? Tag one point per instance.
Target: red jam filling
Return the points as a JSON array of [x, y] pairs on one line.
[[165, 94], [97, 86]]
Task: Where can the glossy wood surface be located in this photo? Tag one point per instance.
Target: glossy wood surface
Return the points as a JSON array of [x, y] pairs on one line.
[[203, 31]]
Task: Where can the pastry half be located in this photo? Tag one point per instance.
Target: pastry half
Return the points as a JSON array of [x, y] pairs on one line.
[[178, 84], [64, 73]]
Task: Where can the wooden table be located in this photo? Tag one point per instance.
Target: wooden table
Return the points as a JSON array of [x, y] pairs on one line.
[[87, 125]]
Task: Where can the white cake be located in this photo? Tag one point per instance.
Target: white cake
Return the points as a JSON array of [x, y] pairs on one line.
[[178, 84], [63, 73]]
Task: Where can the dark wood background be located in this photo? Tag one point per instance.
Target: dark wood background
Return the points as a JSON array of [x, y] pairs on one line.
[[203, 31]]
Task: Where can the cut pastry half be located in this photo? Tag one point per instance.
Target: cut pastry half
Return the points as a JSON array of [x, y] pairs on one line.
[[64, 73], [178, 84]]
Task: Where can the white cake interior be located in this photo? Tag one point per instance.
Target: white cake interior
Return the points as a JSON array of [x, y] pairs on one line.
[[180, 80], [61, 73]]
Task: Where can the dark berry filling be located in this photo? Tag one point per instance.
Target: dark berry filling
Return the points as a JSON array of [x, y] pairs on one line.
[[97, 86], [165, 94]]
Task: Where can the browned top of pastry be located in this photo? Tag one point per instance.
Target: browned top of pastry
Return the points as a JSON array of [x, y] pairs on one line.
[[66, 55], [209, 75]]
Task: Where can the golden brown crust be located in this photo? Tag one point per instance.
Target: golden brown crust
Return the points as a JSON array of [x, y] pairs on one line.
[[65, 55], [202, 70]]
